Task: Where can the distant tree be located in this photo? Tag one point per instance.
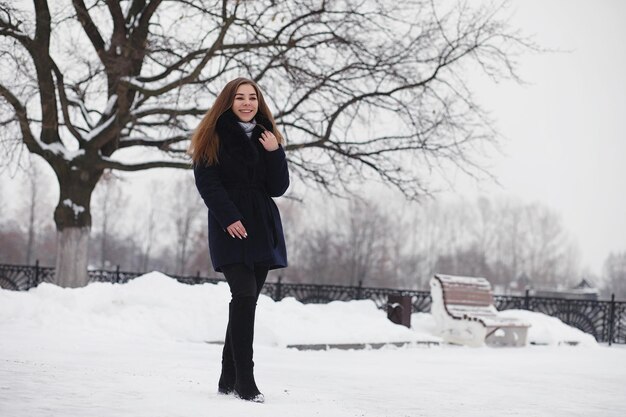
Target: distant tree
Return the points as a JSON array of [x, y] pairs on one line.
[[30, 200], [2, 203], [149, 229], [12, 242], [615, 275], [510, 247], [319, 263], [469, 261], [548, 246], [33, 187], [343, 242], [186, 210], [198, 259], [440, 229], [109, 202], [46, 244], [499, 239], [358, 87], [366, 238], [484, 230]]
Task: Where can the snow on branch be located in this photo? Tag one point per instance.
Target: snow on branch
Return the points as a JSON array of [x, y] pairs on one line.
[[58, 149], [100, 128], [110, 105], [83, 111]]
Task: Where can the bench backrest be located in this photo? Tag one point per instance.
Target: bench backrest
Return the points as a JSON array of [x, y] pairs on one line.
[[466, 291]]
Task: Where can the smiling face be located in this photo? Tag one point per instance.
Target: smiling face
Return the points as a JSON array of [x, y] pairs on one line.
[[245, 103]]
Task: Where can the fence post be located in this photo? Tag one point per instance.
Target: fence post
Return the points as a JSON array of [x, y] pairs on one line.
[[611, 318], [278, 295], [34, 284], [359, 290], [527, 300], [117, 274], [569, 311]]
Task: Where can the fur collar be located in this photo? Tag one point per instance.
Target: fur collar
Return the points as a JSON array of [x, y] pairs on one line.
[[234, 140]]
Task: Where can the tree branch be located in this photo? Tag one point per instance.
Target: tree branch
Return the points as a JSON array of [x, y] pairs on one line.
[[174, 66], [194, 74], [65, 103], [40, 54], [110, 164], [89, 27], [193, 111], [163, 144], [119, 26], [8, 28], [43, 27], [22, 117]]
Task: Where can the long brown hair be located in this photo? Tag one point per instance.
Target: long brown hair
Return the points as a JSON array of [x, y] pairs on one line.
[[205, 141]]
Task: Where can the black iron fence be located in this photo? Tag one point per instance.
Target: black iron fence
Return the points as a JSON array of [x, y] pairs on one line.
[[605, 320]]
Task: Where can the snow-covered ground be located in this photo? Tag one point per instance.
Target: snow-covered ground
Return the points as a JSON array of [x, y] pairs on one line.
[[139, 349]]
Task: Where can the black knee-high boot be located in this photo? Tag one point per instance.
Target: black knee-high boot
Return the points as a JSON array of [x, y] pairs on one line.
[[242, 337], [226, 384]]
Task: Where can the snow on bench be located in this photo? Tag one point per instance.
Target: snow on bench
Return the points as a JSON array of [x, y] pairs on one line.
[[464, 312]]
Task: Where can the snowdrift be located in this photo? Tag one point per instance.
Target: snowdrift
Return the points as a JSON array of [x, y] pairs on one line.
[[155, 306]]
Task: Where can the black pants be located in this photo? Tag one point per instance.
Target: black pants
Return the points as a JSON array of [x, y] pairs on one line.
[[243, 281]]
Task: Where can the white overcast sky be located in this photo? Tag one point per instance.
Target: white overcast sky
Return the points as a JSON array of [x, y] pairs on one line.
[[565, 130]]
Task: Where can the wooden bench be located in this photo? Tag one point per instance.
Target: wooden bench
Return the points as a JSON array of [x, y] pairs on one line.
[[464, 312]]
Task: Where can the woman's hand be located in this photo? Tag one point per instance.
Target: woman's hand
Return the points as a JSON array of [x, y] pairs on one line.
[[269, 141], [237, 230]]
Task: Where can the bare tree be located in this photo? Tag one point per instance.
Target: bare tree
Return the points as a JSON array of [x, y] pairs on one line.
[[323, 257], [149, 238], [313, 237], [150, 227], [615, 275], [343, 242], [499, 239], [3, 200], [32, 191], [83, 81], [519, 239], [186, 210], [547, 247], [109, 203], [414, 265], [510, 243], [440, 229], [46, 244], [11, 237], [466, 261], [366, 244], [35, 188], [485, 229], [198, 259]]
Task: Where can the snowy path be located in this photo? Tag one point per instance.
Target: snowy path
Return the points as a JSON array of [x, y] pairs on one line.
[[110, 375]]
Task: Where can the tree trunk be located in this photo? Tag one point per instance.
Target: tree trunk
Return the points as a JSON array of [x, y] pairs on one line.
[[72, 257], [73, 221]]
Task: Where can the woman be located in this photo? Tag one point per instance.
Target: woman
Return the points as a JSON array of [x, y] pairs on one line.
[[239, 164]]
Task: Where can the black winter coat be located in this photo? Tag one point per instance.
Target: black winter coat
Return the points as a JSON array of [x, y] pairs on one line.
[[240, 187]]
